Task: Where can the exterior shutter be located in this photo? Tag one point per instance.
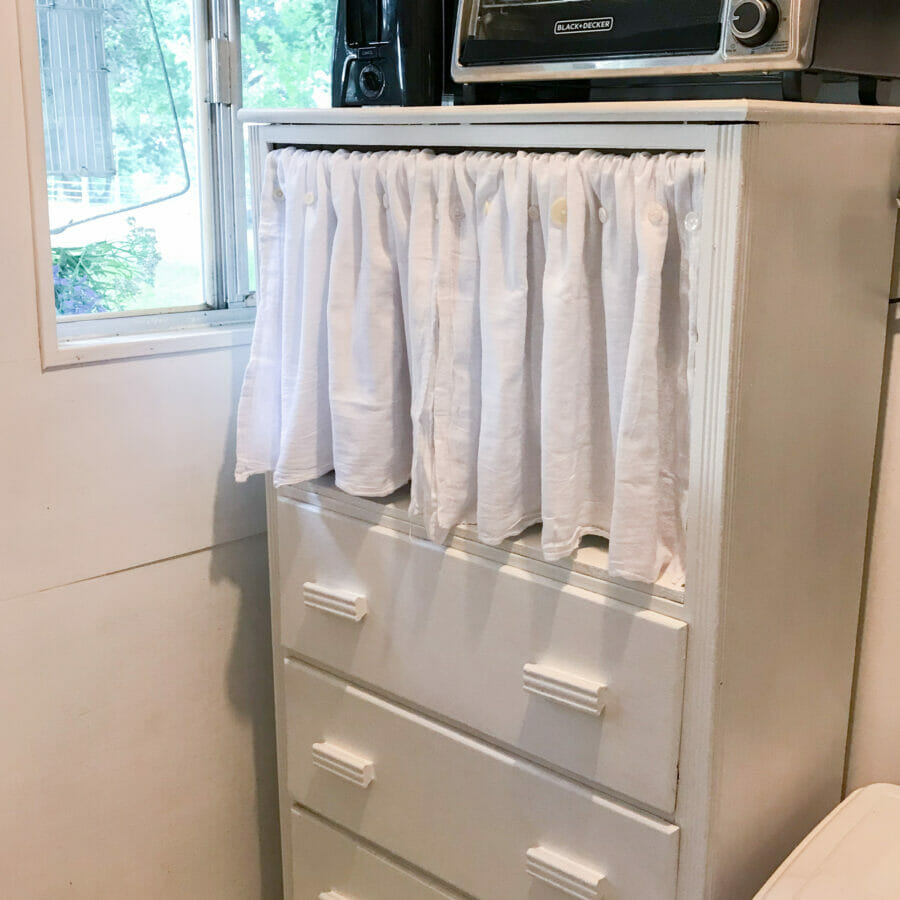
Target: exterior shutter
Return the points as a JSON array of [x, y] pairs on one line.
[[75, 90]]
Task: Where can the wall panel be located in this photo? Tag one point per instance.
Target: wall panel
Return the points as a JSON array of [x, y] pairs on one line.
[[138, 748]]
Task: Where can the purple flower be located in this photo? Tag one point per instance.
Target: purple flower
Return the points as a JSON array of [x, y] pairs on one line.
[[75, 296]]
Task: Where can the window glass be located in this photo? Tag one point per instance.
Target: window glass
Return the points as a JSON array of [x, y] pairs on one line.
[[121, 153], [286, 48]]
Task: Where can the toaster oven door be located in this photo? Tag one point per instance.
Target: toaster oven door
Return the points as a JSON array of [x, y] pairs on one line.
[[494, 32]]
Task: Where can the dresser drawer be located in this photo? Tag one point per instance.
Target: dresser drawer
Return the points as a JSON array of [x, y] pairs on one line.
[[327, 864], [492, 825], [592, 685]]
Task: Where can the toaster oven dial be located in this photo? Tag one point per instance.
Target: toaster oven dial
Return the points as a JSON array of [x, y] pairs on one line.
[[754, 22]]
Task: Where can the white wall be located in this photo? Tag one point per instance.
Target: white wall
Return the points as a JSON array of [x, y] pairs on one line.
[[136, 723]]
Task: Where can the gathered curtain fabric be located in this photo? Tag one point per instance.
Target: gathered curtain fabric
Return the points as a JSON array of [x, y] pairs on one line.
[[511, 333]]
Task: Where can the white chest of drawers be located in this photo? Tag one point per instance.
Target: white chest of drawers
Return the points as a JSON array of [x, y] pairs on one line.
[[472, 721]]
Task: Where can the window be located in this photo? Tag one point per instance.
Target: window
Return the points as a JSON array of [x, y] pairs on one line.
[[286, 52], [120, 139], [146, 182], [286, 49]]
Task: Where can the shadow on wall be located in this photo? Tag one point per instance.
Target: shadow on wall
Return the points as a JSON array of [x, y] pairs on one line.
[[249, 676]]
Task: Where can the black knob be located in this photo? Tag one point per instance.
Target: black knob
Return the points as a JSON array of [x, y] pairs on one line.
[[753, 22], [371, 81]]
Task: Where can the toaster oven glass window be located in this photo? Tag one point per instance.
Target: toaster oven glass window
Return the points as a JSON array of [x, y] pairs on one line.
[[501, 31]]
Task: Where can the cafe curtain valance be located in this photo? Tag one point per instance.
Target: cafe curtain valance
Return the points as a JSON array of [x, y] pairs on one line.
[[511, 333]]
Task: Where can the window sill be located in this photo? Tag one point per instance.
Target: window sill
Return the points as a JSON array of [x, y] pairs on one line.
[[127, 337]]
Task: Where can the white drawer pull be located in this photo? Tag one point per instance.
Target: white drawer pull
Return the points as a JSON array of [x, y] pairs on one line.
[[565, 688], [565, 874], [332, 895], [345, 604], [344, 764]]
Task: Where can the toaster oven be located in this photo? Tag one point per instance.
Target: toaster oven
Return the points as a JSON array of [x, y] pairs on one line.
[[545, 40]]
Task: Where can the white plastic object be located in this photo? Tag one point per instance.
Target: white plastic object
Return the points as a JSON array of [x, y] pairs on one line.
[[565, 688], [332, 895], [334, 759], [564, 874], [854, 852], [345, 604]]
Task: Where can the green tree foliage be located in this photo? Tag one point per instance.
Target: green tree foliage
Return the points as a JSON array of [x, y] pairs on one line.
[[105, 275], [286, 48], [286, 58], [145, 136]]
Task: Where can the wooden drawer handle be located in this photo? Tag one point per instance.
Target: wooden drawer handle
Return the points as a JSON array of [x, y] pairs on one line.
[[344, 764], [344, 604], [565, 874], [565, 688], [332, 895]]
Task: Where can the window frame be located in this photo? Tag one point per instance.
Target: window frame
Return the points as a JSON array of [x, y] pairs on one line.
[[225, 315]]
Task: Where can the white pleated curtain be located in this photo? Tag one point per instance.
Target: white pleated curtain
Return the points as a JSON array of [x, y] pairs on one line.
[[511, 333]]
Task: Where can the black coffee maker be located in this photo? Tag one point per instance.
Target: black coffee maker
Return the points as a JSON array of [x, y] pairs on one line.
[[388, 52]]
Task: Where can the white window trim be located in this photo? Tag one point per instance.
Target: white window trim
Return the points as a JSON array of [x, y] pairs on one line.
[[96, 339], [123, 337]]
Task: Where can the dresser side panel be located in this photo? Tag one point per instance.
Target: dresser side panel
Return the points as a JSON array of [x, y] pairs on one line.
[[721, 295], [806, 393], [284, 800]]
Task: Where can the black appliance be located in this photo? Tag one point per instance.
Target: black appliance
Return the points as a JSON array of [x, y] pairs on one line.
[[389, 52]]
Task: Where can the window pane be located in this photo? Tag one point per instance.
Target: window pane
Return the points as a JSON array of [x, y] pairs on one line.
[[286, 48], [121, 152]]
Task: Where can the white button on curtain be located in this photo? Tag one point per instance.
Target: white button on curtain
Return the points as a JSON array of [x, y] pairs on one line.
[[470, 323], [559, 212], [656, 214]]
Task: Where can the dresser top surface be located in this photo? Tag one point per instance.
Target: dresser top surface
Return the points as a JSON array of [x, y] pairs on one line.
[[713, 112]]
